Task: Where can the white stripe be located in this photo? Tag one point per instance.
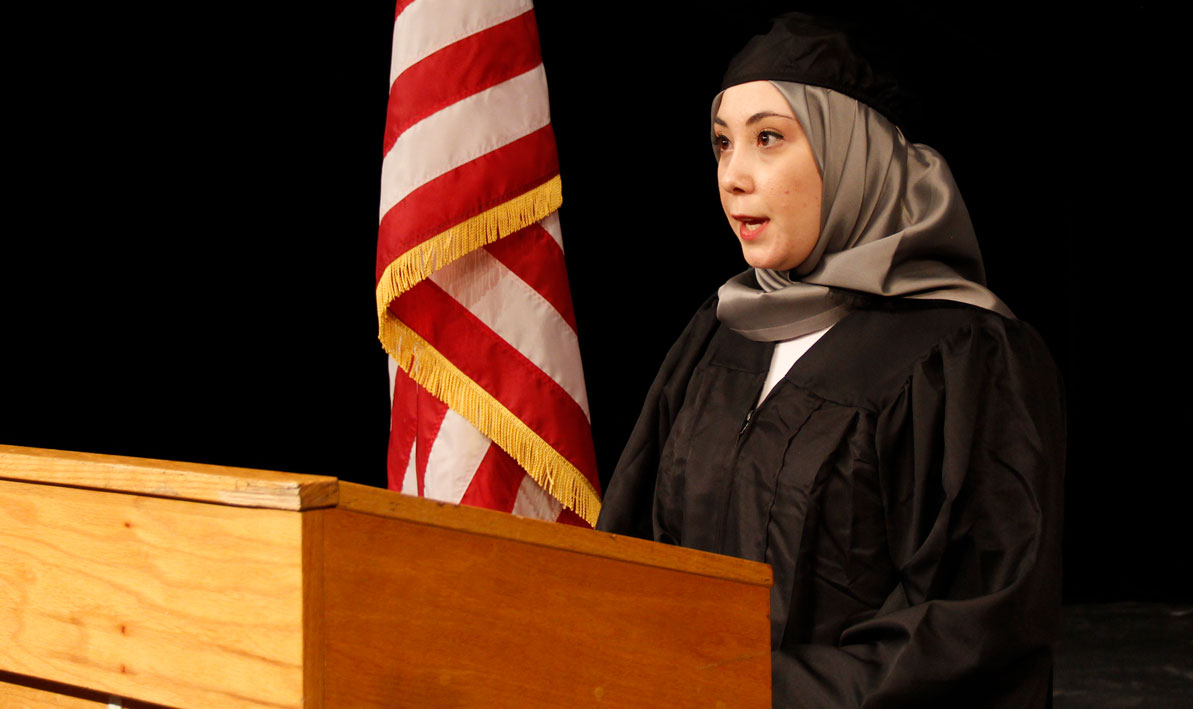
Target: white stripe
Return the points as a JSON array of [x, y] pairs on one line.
[[463, 132], [533, 501], [393, 375], [410, 477], [455, 455], [519, 315], [551, 224], [426, 26]]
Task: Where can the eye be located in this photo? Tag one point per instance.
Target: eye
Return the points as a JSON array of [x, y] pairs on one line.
[[767, 138], [720, 144]]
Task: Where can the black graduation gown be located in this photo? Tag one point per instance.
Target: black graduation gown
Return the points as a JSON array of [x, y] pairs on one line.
[[904, 481]]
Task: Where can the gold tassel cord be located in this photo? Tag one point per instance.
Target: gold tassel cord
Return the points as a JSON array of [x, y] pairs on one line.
[[404, 272], [435, 373]]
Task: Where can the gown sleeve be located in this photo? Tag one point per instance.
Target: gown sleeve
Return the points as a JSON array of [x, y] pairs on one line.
[[627, 505], [970, 459]]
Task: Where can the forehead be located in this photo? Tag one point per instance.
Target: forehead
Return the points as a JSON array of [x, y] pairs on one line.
[[743, 102]]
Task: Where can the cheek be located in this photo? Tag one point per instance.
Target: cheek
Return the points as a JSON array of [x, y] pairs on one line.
[[795, 198], [801, 182], [802, 196]]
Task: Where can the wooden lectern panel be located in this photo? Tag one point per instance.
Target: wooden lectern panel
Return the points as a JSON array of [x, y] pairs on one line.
[[21, 692], [173, 602], [20, 696], [205, 586], [419, 614]]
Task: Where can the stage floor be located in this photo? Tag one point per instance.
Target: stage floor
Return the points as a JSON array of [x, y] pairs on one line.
[[1125, 655]]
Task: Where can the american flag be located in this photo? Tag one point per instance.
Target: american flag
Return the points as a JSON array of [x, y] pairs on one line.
[[489, 405]]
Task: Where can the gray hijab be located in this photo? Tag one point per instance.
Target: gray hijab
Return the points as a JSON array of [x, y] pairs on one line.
[[892, 223]]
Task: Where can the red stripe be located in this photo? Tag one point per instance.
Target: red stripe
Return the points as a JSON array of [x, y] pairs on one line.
[[402, 423], [535, 257], [414, 423], [459, 70], [501, 370], [402, 5], [430, 417], [492, 179], [495, 484]]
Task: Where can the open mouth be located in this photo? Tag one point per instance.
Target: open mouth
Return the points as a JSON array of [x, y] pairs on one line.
[[751, 227]]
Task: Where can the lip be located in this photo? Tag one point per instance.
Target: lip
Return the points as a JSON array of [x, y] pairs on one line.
[[744, 220]]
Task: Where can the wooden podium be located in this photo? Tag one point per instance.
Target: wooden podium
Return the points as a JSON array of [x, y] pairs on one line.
[[133, 582]]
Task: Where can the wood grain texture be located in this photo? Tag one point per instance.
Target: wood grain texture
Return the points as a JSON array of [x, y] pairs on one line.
[[313, 639], [242, 487], [424, 615], [174, 602], [20, 692], [20, 696], [385, 503]]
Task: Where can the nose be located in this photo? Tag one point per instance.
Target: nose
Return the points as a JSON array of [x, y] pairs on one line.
[[734, 172]]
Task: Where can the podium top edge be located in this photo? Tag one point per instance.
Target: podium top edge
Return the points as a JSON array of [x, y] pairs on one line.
[[239, 487], [473, 520], [247, 487]]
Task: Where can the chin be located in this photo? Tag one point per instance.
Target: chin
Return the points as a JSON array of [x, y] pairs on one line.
[[784, 260], [765, 261]]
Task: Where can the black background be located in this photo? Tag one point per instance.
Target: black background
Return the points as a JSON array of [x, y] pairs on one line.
[[187, 267]]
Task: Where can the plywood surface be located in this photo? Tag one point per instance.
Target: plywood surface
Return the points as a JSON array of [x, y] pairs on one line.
[[20, 696], [20, 692], [113, 580], [420, 615], [314, 642], [165, 478], [174, 602]]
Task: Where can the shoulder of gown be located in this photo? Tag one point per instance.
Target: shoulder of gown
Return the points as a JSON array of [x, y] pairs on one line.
[[867, 358]]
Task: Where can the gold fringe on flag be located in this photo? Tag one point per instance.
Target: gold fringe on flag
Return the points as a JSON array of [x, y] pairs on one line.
[[433, 254], [435, 373]]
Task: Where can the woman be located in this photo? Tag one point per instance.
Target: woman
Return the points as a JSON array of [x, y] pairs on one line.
[[857, 409]]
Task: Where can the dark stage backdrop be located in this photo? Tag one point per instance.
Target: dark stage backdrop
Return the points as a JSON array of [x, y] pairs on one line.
[[187, 262]]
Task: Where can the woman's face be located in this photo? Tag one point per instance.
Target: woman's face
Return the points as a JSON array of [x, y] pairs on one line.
[[769, 183]]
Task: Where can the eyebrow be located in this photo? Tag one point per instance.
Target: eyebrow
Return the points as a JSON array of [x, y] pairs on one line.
[[755, 118]]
